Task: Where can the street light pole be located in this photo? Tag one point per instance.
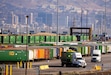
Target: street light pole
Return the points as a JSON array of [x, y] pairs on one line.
[[81, 22], [86, 23], [57, 37], [26, 45], [105, 21]]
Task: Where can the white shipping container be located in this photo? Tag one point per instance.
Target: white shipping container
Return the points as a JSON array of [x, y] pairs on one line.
[[31, 55]]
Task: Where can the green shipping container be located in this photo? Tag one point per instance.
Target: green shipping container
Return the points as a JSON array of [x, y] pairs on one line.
[[36, 39], [12, 39], [74, 38], [25, 39], [13, 55], [0, 39], [48, 38], [82, 37], [51, 54], [53, 38], [65, 38], [69, 38], [6, 39], [19, 39], [62, 38], [82, 50], [79, 49], [42, 39], [32, 39]]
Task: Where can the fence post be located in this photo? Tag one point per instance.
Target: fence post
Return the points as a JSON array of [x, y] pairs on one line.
[[38, 70], [17, 65], [10, 69], [60, 73], [102, 67], [6, 70]]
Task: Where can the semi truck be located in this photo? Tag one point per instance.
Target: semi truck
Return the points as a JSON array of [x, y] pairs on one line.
[[73, 59], [96, 56]]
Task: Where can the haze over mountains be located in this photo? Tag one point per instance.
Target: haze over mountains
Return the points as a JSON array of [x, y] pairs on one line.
[[65, 8], [51, 5]]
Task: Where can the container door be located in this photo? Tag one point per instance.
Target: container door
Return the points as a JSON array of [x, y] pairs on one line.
[[32, 39], [48, 38], [51, 53], [36, 39], [42, 38], [6, 39], [12, 39], [46, 54], [19, 39], [52, 38]]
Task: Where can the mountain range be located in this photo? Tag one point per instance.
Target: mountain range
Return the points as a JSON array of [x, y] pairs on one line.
[[51, 5]]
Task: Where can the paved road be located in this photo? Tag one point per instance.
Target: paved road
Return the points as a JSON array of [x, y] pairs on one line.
[[55, 65]]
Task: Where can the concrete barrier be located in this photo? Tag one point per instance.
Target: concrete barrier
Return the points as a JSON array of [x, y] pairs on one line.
[[43, 67]]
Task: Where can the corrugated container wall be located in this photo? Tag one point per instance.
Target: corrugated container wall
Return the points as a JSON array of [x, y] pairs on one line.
[[13, 55], [51, 53], [31, 39], [48, 38], [12, 39], [62, 38], [6, 39], [37, 39], [69, 38], [52, 38], [31, 55], [42, 38], [18, 39], [25, 39]]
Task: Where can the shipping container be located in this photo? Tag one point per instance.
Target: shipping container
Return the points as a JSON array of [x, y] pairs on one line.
[[65, 38], [48, 38], [60, 51], [31, 55], [89, 50], [62, 38], [0, 39], [82, 51], [85, 50], [82, 37], [12, 39], [74, 38], [69, 38], [37, 39], [54, 52], [53, 38], [51, 52], [15, 55], [79, 49], [32, 39], [42, 39], [46, 54], [108, 48], [26, 39], [19, 39], [39, 53], [6, 39]]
